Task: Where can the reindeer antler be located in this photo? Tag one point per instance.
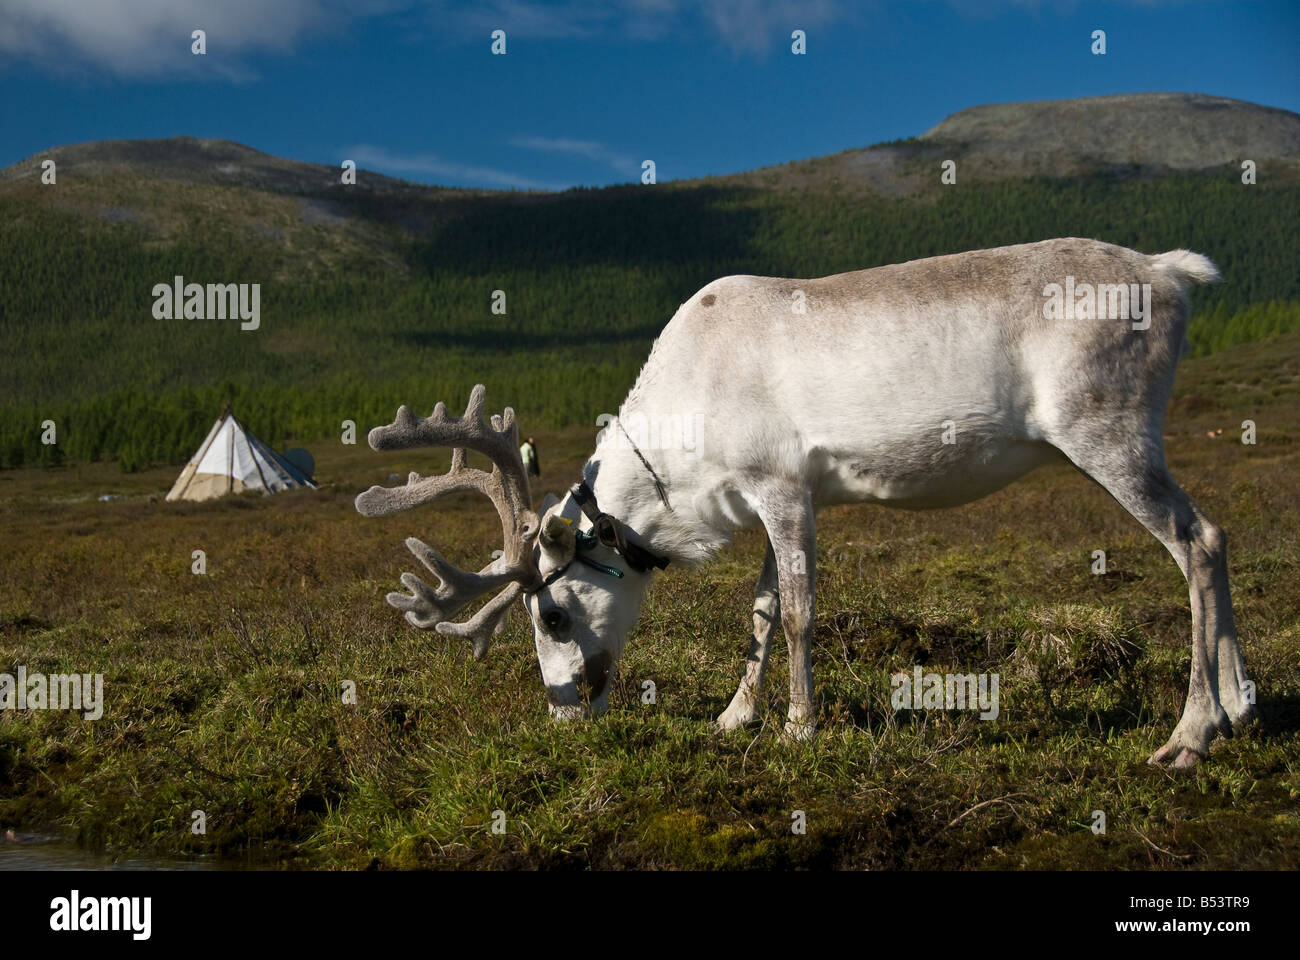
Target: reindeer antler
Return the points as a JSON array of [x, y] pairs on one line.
[[506, 486]]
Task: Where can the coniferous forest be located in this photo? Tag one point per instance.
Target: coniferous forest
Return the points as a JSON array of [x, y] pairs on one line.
[[354, 324]]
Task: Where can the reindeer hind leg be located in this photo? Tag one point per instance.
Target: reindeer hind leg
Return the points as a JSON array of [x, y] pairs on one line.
[[1137, 477]]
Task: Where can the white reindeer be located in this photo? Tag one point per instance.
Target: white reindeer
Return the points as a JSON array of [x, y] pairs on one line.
[[804, 393]]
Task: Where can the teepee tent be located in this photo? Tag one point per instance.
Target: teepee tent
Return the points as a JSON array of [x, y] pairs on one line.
[[230, 460]]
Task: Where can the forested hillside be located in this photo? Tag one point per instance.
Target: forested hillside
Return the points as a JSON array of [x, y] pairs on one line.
[[372, 298]]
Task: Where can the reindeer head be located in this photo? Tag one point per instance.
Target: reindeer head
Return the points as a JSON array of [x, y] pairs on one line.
[[582, 589], [589, 599]]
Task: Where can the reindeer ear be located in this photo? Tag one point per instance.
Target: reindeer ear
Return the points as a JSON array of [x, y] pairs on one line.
[[557, 541], [557, 533]]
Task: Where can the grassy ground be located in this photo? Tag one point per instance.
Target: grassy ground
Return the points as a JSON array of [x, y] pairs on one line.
[[224, 690]]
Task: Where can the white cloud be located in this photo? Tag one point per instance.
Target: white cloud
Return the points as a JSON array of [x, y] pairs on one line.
[[437, 168], [589, 149], [744, 26], [152, 37], [523, 18], [752, 26], [146, 37]]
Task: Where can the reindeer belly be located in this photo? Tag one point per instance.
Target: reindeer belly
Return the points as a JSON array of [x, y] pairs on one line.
[[918, 475]]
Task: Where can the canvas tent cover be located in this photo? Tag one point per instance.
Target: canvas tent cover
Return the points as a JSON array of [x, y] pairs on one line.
[[231, 460]]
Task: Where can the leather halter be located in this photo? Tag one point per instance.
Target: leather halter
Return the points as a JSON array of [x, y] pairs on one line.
[[606, 530]]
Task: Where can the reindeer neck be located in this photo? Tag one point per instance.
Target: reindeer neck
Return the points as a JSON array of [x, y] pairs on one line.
[[626, 488]]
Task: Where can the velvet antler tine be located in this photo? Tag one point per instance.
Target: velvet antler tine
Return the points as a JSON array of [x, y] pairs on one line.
[[382, 501], [488, 622], [497, 438]]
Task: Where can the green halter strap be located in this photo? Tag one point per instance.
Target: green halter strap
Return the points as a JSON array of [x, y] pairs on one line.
[[606, 530]]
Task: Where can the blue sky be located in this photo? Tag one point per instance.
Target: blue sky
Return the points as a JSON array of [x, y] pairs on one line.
[[588, 90]]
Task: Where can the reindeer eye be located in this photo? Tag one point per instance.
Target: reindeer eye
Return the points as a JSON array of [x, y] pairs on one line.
[[556, 620]]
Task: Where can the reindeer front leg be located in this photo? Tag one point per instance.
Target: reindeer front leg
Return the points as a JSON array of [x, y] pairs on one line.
[[787, 513], [744, 708]]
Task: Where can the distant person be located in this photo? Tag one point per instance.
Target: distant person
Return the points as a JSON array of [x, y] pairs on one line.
[[528, 451]]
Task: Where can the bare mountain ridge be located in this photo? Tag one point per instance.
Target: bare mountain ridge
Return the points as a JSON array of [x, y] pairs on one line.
[[1173, 131], [198, 160], [1134, 135], [1141, 134], [167, 187]]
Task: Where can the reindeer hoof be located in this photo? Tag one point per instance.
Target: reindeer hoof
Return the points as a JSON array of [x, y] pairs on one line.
[[567, 713], [1244, 720], [1185, 758], [801, 730], [726, 725], [734, 718]]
